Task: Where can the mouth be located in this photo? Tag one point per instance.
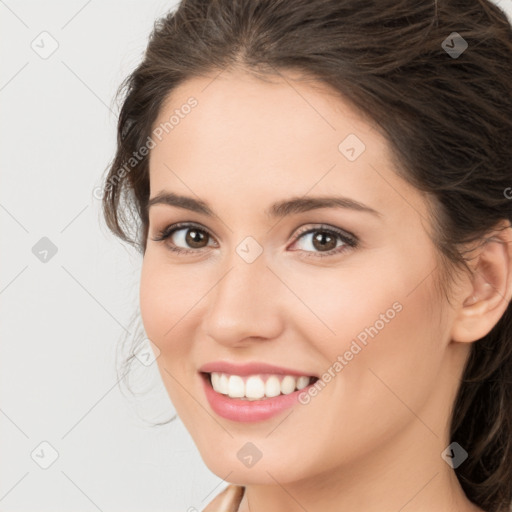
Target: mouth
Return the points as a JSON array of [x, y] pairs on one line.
[[256, 387], [253, 398]]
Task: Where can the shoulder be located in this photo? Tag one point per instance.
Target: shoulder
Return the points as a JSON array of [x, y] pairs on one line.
[[227, 500]]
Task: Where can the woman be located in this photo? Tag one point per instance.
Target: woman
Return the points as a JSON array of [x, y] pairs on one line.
[[321, 191]]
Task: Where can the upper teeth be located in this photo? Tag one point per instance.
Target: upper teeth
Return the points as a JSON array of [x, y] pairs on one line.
[[254, 387]]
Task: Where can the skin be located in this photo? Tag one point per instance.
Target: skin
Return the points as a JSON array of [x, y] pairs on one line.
[[372, 439]]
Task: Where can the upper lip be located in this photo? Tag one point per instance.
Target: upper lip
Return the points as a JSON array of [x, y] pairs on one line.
[[251, 368]]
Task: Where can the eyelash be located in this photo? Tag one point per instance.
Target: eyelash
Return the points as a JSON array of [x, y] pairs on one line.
[[350, 241]]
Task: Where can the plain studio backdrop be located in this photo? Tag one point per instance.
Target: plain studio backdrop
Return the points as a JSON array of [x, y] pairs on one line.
[[70, 438]]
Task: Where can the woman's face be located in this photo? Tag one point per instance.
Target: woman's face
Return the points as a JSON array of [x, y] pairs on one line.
[[285, 286]]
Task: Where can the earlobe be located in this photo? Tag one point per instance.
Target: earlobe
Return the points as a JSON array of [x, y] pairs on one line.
[[490, 288]]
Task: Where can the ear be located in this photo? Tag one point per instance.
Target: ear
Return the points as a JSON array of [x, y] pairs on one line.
[[490, 287]]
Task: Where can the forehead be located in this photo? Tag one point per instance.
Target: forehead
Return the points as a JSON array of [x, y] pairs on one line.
[[257, 138], [283, 118]]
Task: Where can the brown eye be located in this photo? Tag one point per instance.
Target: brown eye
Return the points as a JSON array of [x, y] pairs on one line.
[[184, 238], [324, 241], [195, 238]]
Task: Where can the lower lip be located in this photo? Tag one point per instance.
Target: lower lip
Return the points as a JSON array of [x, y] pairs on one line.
[[246, 411]]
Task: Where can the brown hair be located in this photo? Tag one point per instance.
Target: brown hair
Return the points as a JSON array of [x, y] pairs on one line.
[[447, 118]]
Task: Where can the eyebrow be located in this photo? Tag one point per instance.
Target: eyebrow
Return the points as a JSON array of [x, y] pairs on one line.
[[279, 209]]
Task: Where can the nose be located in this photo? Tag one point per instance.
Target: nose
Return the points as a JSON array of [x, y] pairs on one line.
[[246, 304]]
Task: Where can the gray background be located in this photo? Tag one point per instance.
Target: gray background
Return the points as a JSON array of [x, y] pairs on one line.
[[64, 314]]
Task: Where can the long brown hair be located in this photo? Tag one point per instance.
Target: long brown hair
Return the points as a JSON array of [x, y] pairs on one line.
[[447, 115]]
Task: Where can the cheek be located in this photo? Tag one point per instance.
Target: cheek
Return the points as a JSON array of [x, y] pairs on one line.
[[335, 305], [392, 358], [164, 303], [380, 338], [153, 298], [165, 296]]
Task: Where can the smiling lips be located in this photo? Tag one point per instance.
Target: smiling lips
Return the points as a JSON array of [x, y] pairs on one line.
[[251, 392]]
